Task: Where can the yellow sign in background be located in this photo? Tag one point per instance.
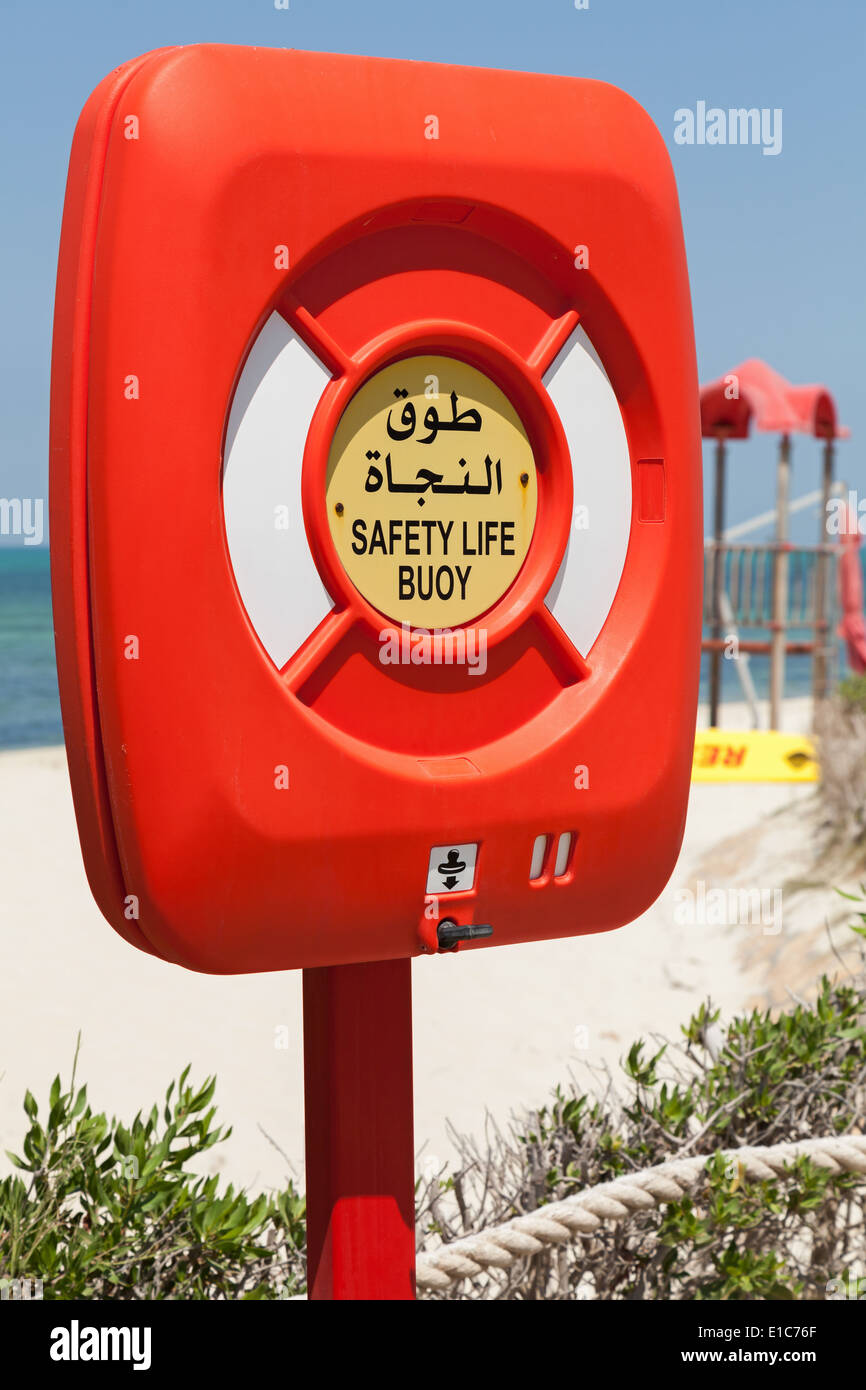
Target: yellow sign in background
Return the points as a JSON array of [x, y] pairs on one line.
[[431, 492], [756, 755]]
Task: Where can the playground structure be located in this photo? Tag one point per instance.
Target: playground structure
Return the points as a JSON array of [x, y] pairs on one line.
[[775, 586]]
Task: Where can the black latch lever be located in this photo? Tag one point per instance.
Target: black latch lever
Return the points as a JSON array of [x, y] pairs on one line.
[[449, 933]]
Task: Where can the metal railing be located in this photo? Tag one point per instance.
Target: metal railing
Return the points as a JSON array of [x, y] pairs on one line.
[[748, 578], [779, 587]]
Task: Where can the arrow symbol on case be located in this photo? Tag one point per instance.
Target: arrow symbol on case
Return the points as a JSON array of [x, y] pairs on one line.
[[452, 866]]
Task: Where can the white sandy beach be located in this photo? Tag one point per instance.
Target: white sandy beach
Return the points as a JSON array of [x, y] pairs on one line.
[[493, 1030]]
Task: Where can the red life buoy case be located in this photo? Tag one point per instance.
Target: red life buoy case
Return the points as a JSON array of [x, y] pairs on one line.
[[236, 215]]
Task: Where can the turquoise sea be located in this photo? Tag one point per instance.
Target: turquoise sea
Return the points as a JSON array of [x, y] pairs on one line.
[[29, 705], [29, 708]]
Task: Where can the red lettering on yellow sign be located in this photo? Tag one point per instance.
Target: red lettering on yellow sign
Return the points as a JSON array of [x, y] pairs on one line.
[[730, 755]]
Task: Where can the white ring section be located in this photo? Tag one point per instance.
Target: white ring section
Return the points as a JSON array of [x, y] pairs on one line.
[[278, 391], [583, 592]]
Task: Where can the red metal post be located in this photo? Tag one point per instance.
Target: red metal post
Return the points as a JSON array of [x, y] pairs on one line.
[[360, 1135]]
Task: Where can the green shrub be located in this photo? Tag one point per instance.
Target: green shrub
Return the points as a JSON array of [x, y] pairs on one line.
[[768, 1080], [112, 1212], [852, 692]]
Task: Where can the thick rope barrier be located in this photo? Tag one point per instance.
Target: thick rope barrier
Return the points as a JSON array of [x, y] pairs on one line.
[[499, 1247]]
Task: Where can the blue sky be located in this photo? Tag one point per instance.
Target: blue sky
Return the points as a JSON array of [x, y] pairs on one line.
[[775, 244]]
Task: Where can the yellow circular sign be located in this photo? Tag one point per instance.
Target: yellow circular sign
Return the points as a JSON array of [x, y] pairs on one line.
[[431, 492]]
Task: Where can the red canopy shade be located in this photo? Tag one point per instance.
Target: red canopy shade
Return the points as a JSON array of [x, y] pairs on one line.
[[753, 391]]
